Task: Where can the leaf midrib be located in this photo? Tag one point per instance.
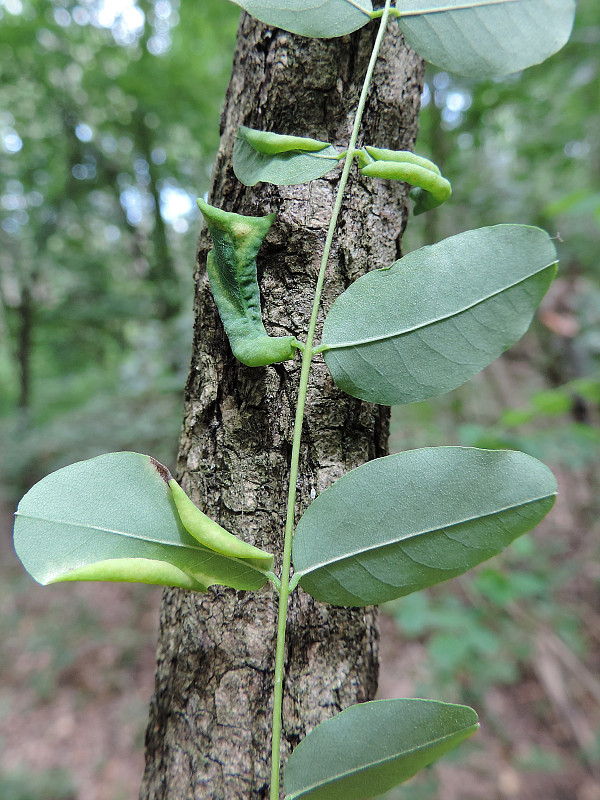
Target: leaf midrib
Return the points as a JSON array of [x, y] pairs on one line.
[[442, 9], [416, 534], [430, 322], [139, 537], [378, 762]]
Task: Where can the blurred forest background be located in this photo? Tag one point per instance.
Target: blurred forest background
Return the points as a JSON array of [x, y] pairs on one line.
[[109, 116]]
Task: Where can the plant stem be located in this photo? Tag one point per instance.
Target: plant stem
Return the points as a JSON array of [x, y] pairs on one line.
[[307, 356]]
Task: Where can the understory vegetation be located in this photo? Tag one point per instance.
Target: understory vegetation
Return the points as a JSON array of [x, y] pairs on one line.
[[97, 227]]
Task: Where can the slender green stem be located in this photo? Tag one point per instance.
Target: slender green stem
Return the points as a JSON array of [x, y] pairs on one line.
[[307, 356]]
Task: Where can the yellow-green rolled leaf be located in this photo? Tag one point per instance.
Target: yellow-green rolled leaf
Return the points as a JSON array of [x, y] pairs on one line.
[[405, 156], [271, 143], [233, 280], [134, 570], [281, 160], [114, 518], [213, 536], [432, 188]]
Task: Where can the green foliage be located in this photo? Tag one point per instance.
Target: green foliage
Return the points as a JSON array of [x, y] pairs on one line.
[[231, 267], [463, 302], [375, 534], [545, 426], [100, 174], [368, 748], [480, 38], [283, 167], [401, 165], [138, 536], [288, 160], [482, 634], [417, 329], [21, 784], [483, 38]]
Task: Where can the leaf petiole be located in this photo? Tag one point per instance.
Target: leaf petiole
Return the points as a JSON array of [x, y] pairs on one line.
[[274, 580]]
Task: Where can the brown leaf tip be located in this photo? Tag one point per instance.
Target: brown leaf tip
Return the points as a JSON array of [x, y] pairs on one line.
[[161, 469]]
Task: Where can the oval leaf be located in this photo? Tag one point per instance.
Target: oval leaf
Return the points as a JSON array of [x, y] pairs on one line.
[[484, 38], [404, 522], [321, 19], [439, 315], [282, 169], [369, 748], [114, 518]]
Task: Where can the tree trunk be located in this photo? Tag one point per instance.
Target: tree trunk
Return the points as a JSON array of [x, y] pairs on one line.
[[209, 730]]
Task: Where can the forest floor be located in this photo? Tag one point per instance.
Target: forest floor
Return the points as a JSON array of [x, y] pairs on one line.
[[77, 673]]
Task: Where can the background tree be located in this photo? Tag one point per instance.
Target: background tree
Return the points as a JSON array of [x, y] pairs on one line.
[[100, 174]]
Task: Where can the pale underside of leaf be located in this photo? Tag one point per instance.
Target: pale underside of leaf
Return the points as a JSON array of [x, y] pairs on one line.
[[465, 307], [404, 522], [315, 18], [89, 545], [369, 748], [135, 570], [486, 38], [119, 507], [439, 356], [439, 315]]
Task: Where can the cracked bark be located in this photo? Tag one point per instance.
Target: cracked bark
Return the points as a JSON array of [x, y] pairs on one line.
[[209, 729]]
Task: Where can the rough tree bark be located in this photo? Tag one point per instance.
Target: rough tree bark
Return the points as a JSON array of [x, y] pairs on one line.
[[209, 730]]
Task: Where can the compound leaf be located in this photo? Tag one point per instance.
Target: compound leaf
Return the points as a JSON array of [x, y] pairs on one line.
[[113, 518], [369, 748], [408, 521], [437, 316], [321, 19], [484, 38]]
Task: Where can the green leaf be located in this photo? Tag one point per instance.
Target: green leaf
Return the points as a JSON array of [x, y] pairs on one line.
[[321, 19], [399, 524], [369, 748], [113, 518], [231, 267], [301, 162], [212, 535], [483, 38], [439, 315], [432, 189], [272, 143]]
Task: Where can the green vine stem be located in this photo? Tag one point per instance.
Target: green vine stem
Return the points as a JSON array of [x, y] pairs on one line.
[[307, 356]]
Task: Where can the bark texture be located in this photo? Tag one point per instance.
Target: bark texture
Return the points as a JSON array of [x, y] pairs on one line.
[[209, 730]]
